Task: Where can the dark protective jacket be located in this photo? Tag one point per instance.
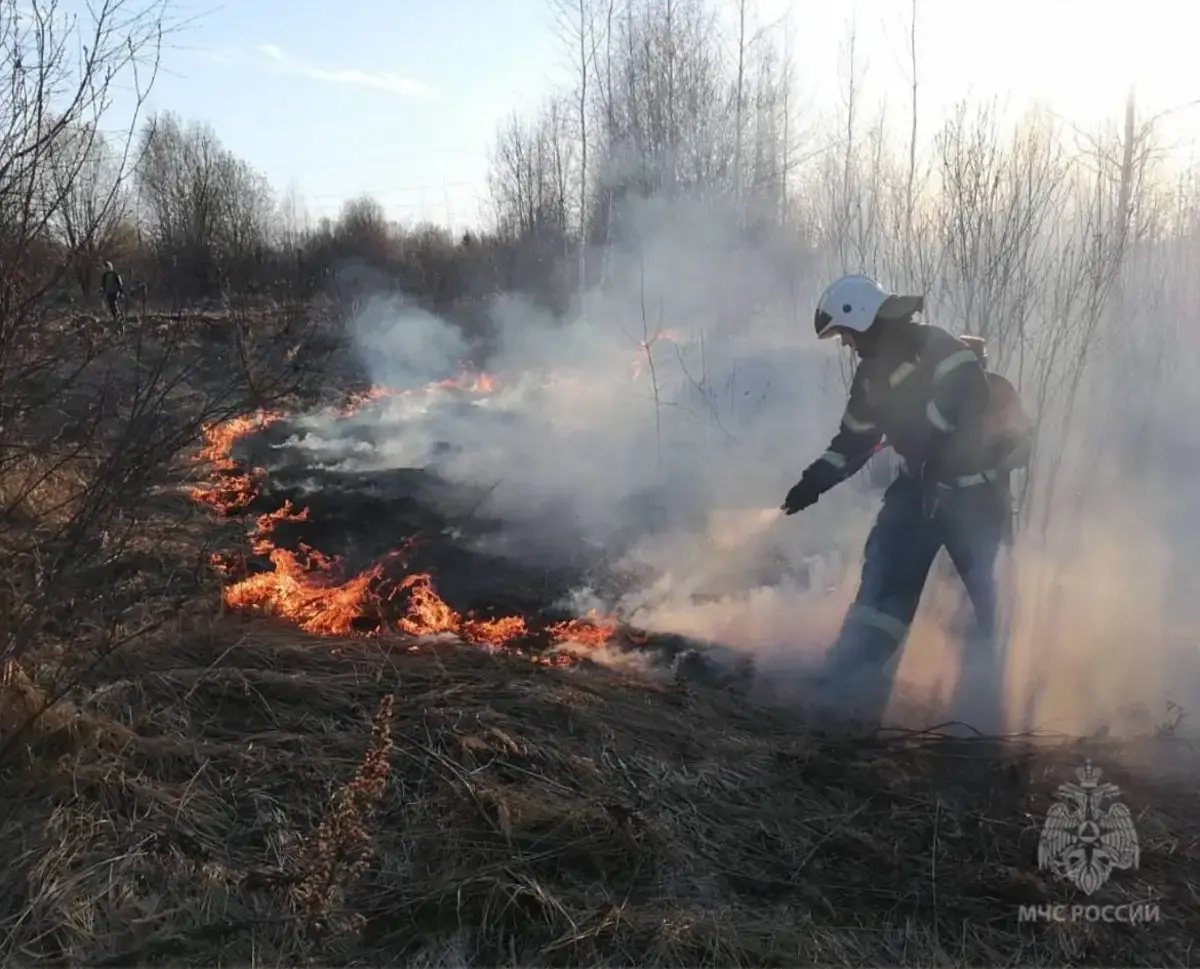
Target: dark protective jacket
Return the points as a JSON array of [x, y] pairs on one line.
[[927, 394]]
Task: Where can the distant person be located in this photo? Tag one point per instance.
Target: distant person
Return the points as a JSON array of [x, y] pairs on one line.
[[113, 288]]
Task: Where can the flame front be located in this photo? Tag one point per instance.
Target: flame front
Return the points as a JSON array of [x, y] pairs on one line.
[[296, 591], [232, 492], [311, 590], [427, 613], [592, 630]]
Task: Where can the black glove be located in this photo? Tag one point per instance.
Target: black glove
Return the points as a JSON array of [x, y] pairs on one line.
[[803, 494]]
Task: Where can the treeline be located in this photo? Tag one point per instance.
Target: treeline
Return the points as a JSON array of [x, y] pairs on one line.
[[1033, 237], [184, 219]]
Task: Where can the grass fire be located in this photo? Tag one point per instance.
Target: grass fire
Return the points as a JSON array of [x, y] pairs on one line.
[[313, 590], [407, 581]]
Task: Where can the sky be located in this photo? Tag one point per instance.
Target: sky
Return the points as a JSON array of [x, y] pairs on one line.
[[402, 99]]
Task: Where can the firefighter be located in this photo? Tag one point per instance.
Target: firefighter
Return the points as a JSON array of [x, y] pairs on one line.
[[927, 392]]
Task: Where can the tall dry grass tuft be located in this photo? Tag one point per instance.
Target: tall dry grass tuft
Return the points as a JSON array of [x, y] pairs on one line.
[[338, 852]]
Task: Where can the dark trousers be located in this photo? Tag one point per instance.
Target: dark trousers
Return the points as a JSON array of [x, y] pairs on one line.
[[970, 523]]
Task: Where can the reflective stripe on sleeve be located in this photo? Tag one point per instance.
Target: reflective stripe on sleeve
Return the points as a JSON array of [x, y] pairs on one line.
[[854, 426], [952, 363], [837, 460]]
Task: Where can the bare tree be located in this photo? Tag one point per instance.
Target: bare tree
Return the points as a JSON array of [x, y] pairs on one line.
[[363, 225], [49, 121], [530, 177], [739, 97], [910, 193], [208, 213], [1106, 230], [577, 19], [91, 417], [584, 73], [85, 190], [787, 80], [845, 216]]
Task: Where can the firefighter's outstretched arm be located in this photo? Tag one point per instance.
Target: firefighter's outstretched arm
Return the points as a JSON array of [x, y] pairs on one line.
[[849, 450], [958, 398]]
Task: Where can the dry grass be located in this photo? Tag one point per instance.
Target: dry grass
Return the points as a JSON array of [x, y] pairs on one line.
[[43, 489], [520, 815]]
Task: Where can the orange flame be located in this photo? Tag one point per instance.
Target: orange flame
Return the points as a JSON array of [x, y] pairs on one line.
[[483, 384], [591, 630], [360, 400], [428, 614], [480, 383], [306, 590], [301, 594], [234, 491], [637, 364], [264, 526], [476, 383]]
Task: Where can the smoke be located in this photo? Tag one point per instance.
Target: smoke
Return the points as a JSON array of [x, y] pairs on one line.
[[402, 346], [657, 427], [665, 417]]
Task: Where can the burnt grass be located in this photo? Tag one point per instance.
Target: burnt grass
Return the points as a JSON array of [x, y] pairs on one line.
[[366, 517]]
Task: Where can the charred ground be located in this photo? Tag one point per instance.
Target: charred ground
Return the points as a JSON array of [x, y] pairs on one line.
[[365, 516], [402, 522]]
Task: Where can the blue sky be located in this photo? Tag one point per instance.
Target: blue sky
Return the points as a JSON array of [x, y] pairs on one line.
[[402, 98], [399, 99]]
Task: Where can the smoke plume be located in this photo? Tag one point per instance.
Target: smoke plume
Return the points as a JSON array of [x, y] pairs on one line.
[[656, 427]]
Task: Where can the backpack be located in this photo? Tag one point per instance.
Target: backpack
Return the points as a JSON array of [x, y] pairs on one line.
[[1006, 424]]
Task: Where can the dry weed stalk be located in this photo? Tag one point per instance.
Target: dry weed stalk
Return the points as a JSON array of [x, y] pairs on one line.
[[338, 852]]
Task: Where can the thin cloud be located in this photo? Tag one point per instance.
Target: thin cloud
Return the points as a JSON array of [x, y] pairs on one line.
[[382, 81]]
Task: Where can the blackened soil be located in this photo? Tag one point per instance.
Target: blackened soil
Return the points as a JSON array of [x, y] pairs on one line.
[[411, 521]]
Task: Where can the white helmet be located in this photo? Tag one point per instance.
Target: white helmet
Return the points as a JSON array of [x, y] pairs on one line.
[[854, 302]]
